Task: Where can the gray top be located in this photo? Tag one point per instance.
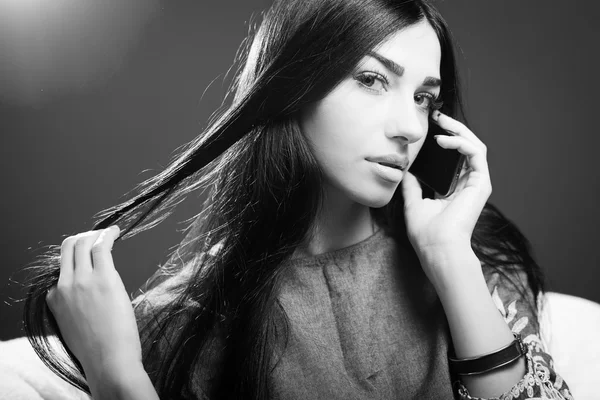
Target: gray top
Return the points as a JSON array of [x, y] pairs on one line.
[[366, 323]]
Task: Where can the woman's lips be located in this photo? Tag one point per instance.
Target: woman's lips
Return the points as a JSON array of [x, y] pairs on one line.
[[391, 161], [389, 174]]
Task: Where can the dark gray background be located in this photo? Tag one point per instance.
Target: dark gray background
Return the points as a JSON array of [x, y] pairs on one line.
[[127, 91]]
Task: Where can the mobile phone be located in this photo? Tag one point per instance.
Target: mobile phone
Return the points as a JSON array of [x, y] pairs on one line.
[[436, 167]]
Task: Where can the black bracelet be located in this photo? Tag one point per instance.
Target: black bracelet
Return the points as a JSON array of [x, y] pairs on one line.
[[491, 361]]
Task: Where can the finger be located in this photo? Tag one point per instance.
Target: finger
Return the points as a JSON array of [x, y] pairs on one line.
[[411, 189], [50, 298], [67, 263], [479, 176], [476, 158], [83, 256], [101, 250], [462, 181], [456, 127]]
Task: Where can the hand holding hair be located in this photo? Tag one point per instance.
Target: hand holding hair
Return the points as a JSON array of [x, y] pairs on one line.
[[92, 307]]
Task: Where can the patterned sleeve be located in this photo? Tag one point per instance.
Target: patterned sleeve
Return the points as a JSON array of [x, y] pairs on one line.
[[514, 299]]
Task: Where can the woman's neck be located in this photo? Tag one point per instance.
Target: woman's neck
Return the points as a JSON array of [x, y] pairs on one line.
[[339, 224]]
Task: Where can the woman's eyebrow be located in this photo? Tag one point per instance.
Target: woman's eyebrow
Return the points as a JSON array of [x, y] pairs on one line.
[[399, 70]]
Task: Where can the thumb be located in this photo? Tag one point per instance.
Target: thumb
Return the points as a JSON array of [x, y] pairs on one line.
[[411, 189], [116, 231]]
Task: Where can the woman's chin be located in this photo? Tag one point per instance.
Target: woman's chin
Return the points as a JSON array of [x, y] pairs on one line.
[[379, 201], [369, 194]]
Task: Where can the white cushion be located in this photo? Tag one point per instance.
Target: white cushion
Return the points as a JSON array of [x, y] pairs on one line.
[[570, 329], [23, 376]]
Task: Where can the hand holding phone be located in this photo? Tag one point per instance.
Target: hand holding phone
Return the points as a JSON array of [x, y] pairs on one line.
[[436, 167]]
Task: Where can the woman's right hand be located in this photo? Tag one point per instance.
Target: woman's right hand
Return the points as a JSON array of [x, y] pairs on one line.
[[92, 307]]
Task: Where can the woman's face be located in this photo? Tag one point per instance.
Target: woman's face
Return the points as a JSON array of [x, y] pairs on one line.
[[376, 112]]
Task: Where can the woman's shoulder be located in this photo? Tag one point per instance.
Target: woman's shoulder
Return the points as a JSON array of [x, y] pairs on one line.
[[499, 265], [501, 270], [162, 290], [170, 278]]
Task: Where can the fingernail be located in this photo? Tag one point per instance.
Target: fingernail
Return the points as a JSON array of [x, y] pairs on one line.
[[436, 115], [116, 229]]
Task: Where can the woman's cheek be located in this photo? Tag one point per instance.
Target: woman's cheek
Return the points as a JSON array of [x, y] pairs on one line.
[[416, 148]]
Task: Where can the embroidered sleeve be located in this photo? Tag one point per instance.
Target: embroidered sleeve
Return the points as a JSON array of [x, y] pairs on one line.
[[516, 304]]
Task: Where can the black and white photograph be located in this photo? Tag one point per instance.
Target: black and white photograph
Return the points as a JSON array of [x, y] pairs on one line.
[[299, 199]]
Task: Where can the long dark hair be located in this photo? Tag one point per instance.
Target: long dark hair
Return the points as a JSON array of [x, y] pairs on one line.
[[264, 194]]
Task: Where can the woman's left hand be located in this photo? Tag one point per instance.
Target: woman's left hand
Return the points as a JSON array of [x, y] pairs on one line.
[[440, 224]]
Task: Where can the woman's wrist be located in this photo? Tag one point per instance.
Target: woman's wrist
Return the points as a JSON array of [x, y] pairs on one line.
[[450, 267], [476, 326]]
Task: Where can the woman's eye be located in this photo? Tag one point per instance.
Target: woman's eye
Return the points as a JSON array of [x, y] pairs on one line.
[[427, 99], [372, 81]]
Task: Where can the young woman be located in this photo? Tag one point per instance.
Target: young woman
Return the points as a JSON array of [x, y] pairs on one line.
[[318, 267]]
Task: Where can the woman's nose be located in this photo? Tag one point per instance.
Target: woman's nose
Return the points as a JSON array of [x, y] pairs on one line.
[[406, 121]]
